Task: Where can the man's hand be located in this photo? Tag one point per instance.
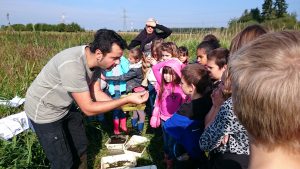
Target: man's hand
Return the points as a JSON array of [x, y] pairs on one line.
[[151, 23], [217, 97], [138, 98]]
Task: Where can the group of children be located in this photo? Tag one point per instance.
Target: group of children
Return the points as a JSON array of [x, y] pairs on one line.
[[179, 94], [190, 101], [174, 86]]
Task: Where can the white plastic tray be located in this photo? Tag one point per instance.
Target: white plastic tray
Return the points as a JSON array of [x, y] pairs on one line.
[[135, 140], [146, 167], [107, 160], [116, 146]]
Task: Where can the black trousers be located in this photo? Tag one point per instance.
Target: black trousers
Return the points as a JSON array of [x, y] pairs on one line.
[[64, 141], [228, 161]]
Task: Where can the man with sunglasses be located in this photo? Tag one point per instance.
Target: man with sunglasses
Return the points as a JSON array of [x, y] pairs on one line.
[[152, 31]]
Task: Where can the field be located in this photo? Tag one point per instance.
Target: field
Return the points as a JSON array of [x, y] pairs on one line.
[[23, 54]]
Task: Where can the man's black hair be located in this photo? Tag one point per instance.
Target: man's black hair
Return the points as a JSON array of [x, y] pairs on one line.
[[104, 39]]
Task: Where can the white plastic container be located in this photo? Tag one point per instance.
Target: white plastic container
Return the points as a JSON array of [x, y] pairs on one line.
[[135, 140], [107, 161], [116, 146], [136, 154], [146, 167], [112, 152]]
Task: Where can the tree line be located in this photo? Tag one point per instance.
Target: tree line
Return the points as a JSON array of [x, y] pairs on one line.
[[274, 15], [73, 27]]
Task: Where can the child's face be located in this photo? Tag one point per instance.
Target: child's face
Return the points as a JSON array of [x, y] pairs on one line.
[[168, 77], [214, 71], [166, 55], [132, 60], [183, 58], [186, 88], [201, 56]]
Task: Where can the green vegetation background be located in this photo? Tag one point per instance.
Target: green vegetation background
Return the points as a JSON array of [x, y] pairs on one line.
[[23, 55]]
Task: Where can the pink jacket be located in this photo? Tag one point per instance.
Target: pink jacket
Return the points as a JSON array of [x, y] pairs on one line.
[[173, 96]]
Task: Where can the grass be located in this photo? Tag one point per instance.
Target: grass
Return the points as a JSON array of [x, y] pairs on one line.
[[98, 134], [23, 55]]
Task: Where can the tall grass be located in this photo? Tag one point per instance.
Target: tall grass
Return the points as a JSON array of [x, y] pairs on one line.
[[23, 55], [22, 151]]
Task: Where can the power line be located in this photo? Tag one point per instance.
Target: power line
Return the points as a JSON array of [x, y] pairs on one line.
[[124, 20], [8, 20]]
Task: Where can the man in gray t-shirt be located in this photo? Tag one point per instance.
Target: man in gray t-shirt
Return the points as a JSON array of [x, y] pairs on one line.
[[70, 76]]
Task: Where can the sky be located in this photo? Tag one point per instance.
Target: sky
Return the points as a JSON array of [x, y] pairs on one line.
[[96, 14]]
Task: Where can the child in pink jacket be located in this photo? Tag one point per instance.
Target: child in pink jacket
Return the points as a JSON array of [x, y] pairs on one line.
[[169, 96]]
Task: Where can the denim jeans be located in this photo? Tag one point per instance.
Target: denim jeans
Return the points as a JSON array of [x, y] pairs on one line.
[[118, 113], [64, 141]]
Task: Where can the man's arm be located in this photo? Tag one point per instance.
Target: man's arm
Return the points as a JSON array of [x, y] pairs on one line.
[[125, 77], [90, 107], [165, 31], [97, 94], [137, 40]]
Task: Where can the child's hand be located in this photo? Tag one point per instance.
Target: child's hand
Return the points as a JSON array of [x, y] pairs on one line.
[[225, 139], [152, 61], [102, 77], [154, 121], [138, 89], [138, 98]]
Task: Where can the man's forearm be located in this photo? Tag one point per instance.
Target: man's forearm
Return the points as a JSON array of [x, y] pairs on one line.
[[99, 107], [102, 96]]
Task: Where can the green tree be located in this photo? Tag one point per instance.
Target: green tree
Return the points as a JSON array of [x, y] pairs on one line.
[[246, 16], [73, 27], [29, 27], [18, 27], [61, 27], [253, 15], [267, 10], [38, 27], [280, 8]]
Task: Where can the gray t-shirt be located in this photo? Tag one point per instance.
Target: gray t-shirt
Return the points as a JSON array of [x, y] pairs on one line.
[[48, 99]]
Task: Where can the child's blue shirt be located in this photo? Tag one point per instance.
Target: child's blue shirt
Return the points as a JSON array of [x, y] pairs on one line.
[[123, 68]]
